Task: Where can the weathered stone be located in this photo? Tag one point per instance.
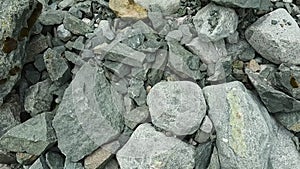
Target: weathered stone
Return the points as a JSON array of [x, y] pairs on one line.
[[187, 33], [52, 17], [258, 4], [14, 29], [174, 35], [277, 42], [40, 163], [104, 25], [63, 33], [7, 158], [128, 9], [112, 164], [247, 137], [275, 101], [203, 153], [136, 116], [214, 160], [101, 156], [31, 74], [74, 58], [37, 45], [73, 165], [178, 107], [241, 50], [56, 65], [122, 53], [75, 25], [158, 151], [79, 43], [183, 62], [39, 63], [85, 118], [65, 3], [25, 158], [209, 52], [38, 98], [136, 91], [167, 6], [158, 67], [289, 120], [33, 136], [210, 22], [118, 69], [9, 112], [205, 131], [156, 17], [55, 160]]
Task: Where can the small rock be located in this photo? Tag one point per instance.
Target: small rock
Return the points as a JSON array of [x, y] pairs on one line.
[[167, 6], [55, 64], [41, 136], [37, 45], [258, 4], [63, 33], [178, 107], [118, 69], [55, 160], [75, 25], [210, 20], [174, 35], [254, 66], [127, 9], [156, 147], [203, 153], [136, 116], [277, 43], [205, 131], [136, 91], [52, 17], [25, 158]]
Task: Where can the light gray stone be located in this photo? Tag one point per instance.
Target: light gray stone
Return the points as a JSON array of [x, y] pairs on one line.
[[52, 17], [258, 4], [276, 37], [167, 6], [72, 165], [205, 131], [75, 25], [148, 148], [178, 106], [214, 22], [136, 91], [247, 137], [89, 114], [136, 116], [33, 136], [63, 33]]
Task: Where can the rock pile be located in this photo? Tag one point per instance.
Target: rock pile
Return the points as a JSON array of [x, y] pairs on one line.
[[147, 84]]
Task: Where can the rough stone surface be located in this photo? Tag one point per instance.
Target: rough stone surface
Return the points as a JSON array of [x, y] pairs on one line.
[[72, 165], [75, 25], [56, 65], [85, 118], [247, 137], [40, 163], [214, 22], [7, 158], [289, 120], [9, 113], [167, 6], [136, 116], [158, 151], [205, 131], [32, 136], [258, 4], [52, 17], [178, 106], [55, 160], [276, 37], [203, 154]]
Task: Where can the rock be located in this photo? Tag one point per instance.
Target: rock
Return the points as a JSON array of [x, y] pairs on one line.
[[119, 69], [63, 33], [112, 164], [85, 118], [56, 65], [174, 35], [291, 120], [107, 31], [214, 160], [40, 163], [158, 67], [7, 158], [240, 50], [136, 116], [72, 165], [41, 136], [258, 4], [167, 6], [136, 91], [276, 37], [128, 9], [25, 158], [12, 33], [187, 33], [122, 53], [55, 160], [209, 52], [247, 137], [75, 25], [101, 156], [74, 58], [210, 22], [37, 45], [178, 107], [275, 101], [253, 66], [79, 43], [183, 62], [203, 153], [65, 3], [205, 131], [52, 17], [158, 151], [9, 112]]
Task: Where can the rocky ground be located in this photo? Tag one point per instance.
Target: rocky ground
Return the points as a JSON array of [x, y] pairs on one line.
[[149, 84]]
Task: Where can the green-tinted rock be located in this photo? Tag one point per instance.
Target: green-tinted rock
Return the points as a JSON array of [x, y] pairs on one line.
[[148, 148], [52, 17], [74, 58], [75, 25], [258, 4], [183, 62], [203, 154], [72, 165], [56, 65], [40, 163], [33, 136], [289, 120], [37, 45], [214, 160], [136, 116], [8, 113], [55, 160], [25, 158], [118, 69], [247, 136], [89, 114], [136, 91]]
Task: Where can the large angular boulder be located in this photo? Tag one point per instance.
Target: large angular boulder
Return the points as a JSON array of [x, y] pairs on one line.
[[178, 106], [89, 115], [247, 137], [148, 148], [276, 37]]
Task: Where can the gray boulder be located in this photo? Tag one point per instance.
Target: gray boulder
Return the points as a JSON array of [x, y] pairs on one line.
[[258, 4], [247, 137], [178, 106], [148, 148], [33, 136], [89, 115], [215, 22], [276, 37], [167, 6]]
